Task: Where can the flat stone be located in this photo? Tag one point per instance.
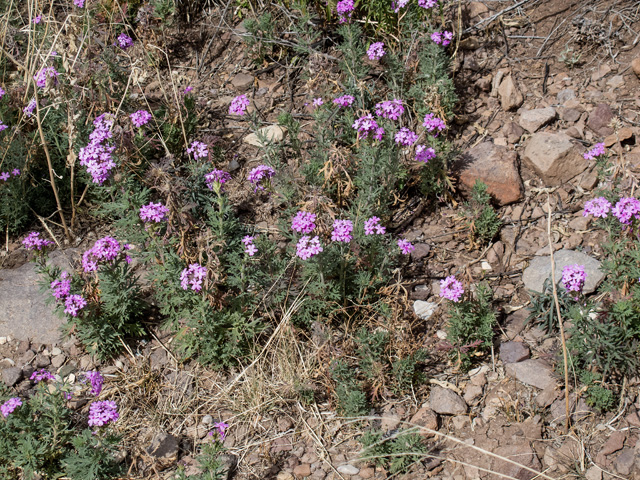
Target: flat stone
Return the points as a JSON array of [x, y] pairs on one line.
[[539, 270], [625, 461], [593, 473], [424, 310], [367, 473], [614, 443], [496, 166], [599, 119], [531, 372], [164, 448], [513, 352], [420, 250], [533, 120], [243, 81], [58, 360], [348, 469], [302, 470], [565, 95], [272, 134], [554, 157], [569, 115], [427, 419], [625, 133], [446, 402], [510, 95], [523, 455], [11, 376], [513, 132], [389, 422], [600, 72], [472, 394], [616, 81]]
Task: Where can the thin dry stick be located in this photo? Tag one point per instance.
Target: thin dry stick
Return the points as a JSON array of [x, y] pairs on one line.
[[555, 299]]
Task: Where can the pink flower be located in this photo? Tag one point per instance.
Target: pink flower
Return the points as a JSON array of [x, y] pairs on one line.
[[318, 102], [344, 101], [367, 125], [376, 51], [626, 209], [433, 124], [260, 174], [124, 41], [42, 75], [154, 212], [192, 277], [101, 413], [73, 304], [427, 3], [406, 137], [9, 406], [424, 153], [78, 3], [390, 109], [239, 105], [372, 227], [307, 247], [140, 118], [342, 231], [573, 277], [198, 150], [451, 289], [598, 207], [405, 246], [249, 248], [216, 176], [595, 152], [303, 222], [344, 8]]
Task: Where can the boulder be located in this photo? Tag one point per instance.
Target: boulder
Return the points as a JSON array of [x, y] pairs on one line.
[[554, 157]]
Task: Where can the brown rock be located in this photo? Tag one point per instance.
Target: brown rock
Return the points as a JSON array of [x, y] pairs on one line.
[[554, 157], [521, 453], [494, 165], [599, 119], [624, 461], [614, 443], [512, 131], [569, 115], [623, 134], [427, 419], [242, 82], [513, 352], [367, 473], [510, 95], [531, 372], [302, 470], [533, 120], [635, 65], [446, 401], [164, 449], [475, 11]]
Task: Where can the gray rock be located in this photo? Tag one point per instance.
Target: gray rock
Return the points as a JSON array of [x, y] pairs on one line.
[[532, 120], [566, 95], [531, 372], [513, 352], [593, 473], [539, 270], [23, 312], [67, 370], [272, 134], [424, 310], [447, 402], [569, 115], [242, 81], [510, 96], [625, 460], [348, 469], [389, 422], [164, 448], [11, 376], [58, 360], [554, 157]]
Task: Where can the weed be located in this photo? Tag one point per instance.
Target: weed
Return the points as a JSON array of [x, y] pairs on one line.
[[396, 453], [482, 219]]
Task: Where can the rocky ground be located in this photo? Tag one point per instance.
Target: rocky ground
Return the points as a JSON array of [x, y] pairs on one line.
[[526, 117]]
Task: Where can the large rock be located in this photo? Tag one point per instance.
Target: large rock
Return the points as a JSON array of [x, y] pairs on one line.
[[532, 120], [272, 134], [510, 95], [539, 270], [494, 165], [23, 312], [446, 402], [599, 119], [531, 372], [554, 157]]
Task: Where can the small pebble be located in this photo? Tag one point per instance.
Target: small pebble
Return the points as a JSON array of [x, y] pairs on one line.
[[348, 469], [207, 420], [3, 340]]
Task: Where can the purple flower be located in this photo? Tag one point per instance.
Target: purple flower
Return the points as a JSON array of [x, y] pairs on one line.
[[154, 212], [62, 286], [249, 248], [424, 153], [366, 125], [427, 3], [96, 156], [2, 92], [318, 102], [598, 207], [4, 176], [43, 74], [101, 413], [376, 51], [124, 41], [397, 5], [258, 174], [220, 427], [105, 249], [303, 222], [372, 227], [626, 208], [405, 246], [96, 379], [187, 90], [73, 304], [40, 375], [216, 176], [3, 126], [192, 277], [198, 150], [15, 172], [37, 19], [140, 118], [433, 124], [345, 9], [34, 242], [307, 247], [9, 406], [446, 38], [344, 101], [391, 109], [573, 277], [406, 137], [595, 152], [28, 110], [239, 105], [451, 289], [342, 231], [78, 3], [436, 37]]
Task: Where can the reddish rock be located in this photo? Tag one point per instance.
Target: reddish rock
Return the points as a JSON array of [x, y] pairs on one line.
[[510, 95], [623, 134], [614, 443], [512, 131], [599, 119], [521, 453], [426, 418], [303, 470], [554, 157], [494, 165]]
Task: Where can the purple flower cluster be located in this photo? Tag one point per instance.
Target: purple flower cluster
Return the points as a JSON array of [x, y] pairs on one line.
[[31, 106], [405, 246], [154, 212], [37, 19], [626, 209], [258, 174], [216, 176], [344, 101], [249, 248], [3, 126], [318, 102], [42, 75], [105, 250], [573, 277], [5, 175], [192, 277], [433, 124], [40, 375], [34, 242], [406, 137], [2, 92], [78, 3], [424, 153], [303, 222], [198, 150], [73, 304], [344, 8], [427, 3], [342, 231], [97, 155], [598, 207], [307, 247], [61, 286], [9, 406], [595, 152], [451, 289], [372, 227], [366, 125], [124, 41], [221, 428], [442, 38], [391, 109], [376, 51], [101, 413], [140, 118], [96, 380], [397, 5], [239, 105]]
